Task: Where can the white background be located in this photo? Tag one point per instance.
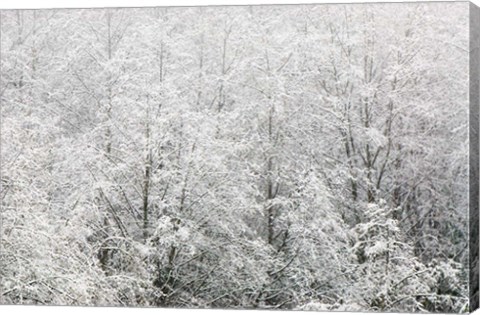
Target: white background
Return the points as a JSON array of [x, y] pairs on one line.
[[28, 4]]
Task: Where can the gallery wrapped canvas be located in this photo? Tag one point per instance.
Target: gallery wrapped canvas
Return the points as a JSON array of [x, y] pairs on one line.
[[294, 157]]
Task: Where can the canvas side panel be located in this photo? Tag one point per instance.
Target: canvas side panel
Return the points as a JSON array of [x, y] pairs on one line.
[[1, 159], [474, 153]]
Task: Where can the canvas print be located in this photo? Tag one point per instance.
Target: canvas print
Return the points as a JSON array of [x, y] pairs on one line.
[[286, 157]]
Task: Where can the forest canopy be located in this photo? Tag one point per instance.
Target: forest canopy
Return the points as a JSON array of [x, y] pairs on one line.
[[309, 157]]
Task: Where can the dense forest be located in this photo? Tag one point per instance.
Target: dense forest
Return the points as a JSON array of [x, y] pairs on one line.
[[310, 157]]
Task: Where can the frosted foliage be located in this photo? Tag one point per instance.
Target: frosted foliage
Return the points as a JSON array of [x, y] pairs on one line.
[[309, 157]]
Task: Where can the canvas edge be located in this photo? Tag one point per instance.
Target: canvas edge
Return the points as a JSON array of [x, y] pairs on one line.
[[474, 97], [1, 158]]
